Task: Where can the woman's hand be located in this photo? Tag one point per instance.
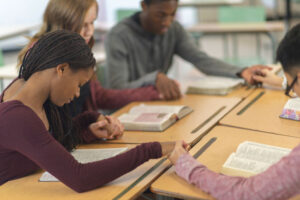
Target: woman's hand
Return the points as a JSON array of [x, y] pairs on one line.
[[169, 147], [269, 78], [107, 127], [180, 148]]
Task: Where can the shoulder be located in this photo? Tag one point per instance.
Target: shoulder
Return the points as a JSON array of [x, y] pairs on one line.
[[14, 114]]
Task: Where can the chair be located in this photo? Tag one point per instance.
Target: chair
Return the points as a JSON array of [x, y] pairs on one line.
[[124, 13]]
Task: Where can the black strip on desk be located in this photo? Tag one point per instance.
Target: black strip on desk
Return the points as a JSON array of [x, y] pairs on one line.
[[203, 149], [139, 179], [208, 120], [250, 103]]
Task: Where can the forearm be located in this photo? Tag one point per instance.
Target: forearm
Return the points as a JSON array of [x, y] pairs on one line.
[[121, 81], [278, 182], [115, 99]]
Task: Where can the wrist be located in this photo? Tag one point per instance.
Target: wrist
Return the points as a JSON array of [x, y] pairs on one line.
[[240, 73]]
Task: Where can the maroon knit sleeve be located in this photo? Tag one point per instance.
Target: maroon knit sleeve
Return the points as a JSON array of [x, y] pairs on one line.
[[82, 122], [102, 98], [35, 143]]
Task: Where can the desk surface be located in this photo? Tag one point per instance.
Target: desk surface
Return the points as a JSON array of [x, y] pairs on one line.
[[238, 27], [169, 184], [263, 114], [206, 3], [29, 188], [208, 110]]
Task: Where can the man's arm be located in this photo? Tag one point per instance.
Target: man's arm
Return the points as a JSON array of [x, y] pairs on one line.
[[187, 49], [117, 64]]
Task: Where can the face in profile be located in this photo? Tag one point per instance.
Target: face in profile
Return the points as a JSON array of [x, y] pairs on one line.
[[160, 15], [66, 83], [87, 30]]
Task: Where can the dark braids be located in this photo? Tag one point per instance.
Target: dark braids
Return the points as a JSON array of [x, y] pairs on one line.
[[49, 51]]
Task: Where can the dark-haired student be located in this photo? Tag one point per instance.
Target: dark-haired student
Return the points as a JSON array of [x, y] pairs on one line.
[[79, 16], [281, 180], [35, 128], [140, 51]]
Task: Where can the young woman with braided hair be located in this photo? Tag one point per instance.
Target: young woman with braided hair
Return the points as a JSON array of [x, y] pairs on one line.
[[51, 75], [79, 16]]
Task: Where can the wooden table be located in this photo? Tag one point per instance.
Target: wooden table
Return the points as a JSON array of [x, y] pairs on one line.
[[169, 184], [207, 112], [263, 114], [29, 188], [208, 3]]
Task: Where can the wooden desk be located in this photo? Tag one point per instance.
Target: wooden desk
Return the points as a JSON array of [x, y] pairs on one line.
[[169, 184], [208, 3], [263, 114], [207, 112], [29, 188]]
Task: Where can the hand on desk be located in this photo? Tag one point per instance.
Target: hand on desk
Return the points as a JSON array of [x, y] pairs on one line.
[[180, 148], [107, 127], [249, 73], [269, 78], [168, 88]]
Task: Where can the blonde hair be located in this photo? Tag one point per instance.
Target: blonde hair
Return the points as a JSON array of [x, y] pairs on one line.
[[62, 15]]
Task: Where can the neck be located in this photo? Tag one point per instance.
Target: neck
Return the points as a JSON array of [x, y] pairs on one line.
[[34, 92], [143, 20]]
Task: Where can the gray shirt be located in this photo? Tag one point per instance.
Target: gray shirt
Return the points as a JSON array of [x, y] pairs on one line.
[[135, 56]]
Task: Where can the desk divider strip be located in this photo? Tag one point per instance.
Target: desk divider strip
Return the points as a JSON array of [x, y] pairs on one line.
[[250, 103], [208, 120], [139, 179], [203, 149]]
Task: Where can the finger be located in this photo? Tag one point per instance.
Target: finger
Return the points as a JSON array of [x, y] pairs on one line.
[[101, 133], [259, 78], [99, 124]]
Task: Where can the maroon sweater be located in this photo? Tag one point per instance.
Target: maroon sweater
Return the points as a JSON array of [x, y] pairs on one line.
[[26, 146]]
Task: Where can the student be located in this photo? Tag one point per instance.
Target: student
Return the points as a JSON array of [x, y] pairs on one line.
[[280, 181], [79, 16], [50, 76], [140, 51]]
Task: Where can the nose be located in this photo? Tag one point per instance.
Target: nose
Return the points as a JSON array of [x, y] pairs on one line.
[[167, 21], [77, 94]]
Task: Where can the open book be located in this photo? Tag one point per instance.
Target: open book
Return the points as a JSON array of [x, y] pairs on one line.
[[86, 156], [214, 85], [152, 118], [291, 109], [252, 158]]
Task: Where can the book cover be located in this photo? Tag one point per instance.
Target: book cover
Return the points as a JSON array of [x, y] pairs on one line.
[[291, 109]]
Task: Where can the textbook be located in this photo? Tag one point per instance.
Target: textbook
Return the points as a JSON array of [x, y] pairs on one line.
[[214, 85], [252, 158], [152, 118], [86, 156], [291, 109]]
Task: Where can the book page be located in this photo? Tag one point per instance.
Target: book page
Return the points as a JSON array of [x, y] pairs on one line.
[[252, 158], [261, 152], [293, 104], [86, 156], [238, 166], [214, 82], [142, 108]]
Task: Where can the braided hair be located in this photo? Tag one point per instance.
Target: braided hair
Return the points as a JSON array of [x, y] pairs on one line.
[[50, 50]]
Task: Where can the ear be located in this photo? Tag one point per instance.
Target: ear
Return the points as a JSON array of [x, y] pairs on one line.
[[61, 68], [298, 77], [143, 5]]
